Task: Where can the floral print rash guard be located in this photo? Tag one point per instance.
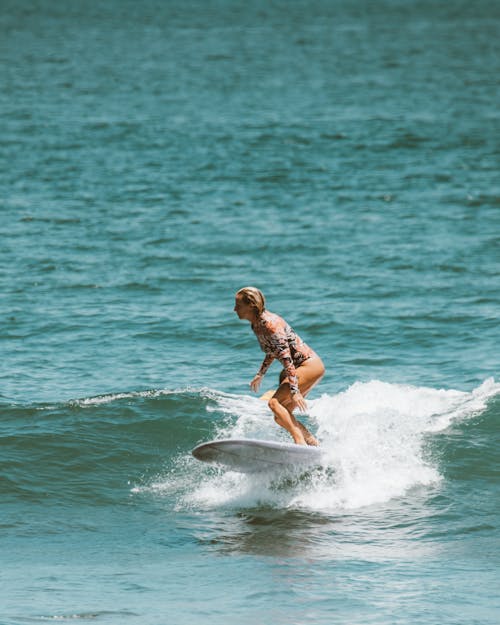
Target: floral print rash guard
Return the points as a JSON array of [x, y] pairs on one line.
[[279, 341]]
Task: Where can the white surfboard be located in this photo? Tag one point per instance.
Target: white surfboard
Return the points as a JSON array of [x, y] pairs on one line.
[[252, 456]]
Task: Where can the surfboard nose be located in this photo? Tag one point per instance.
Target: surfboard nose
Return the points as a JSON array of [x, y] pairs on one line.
[[205, 452]]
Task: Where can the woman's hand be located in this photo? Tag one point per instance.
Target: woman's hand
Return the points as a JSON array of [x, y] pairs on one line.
[[299, 402], [255, 383]]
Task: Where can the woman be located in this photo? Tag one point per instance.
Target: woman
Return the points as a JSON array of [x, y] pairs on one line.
[[302, 367]]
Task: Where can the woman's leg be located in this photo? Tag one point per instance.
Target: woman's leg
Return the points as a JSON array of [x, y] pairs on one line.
[[281, 403], [285, 419]]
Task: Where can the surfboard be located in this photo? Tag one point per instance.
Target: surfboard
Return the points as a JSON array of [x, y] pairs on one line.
[[253, 455]]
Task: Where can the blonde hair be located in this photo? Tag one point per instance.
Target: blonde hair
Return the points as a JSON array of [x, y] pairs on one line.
[[254, 298]]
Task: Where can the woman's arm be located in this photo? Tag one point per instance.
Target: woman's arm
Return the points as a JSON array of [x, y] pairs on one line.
[[266, 363], [282, 352]]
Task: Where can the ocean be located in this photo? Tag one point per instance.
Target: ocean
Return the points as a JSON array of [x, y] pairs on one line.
[[157, 156]]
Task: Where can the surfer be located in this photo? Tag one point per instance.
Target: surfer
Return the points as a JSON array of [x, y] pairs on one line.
[[302, 367]]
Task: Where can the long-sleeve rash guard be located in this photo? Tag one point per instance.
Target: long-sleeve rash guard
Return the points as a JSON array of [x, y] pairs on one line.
[[279, 341]]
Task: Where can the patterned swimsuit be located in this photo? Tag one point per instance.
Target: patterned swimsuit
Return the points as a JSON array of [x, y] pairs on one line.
[[278, 340]]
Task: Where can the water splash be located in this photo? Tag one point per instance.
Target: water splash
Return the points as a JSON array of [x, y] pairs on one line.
[[374, 436]]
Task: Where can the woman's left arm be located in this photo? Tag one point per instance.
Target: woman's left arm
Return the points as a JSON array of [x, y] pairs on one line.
[[281, 349], [285, 358]]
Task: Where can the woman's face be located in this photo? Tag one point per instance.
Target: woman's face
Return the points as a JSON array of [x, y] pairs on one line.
[[242, 309]]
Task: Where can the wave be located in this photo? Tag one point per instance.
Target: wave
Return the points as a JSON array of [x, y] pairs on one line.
[[92, 448], [381, 440], [378, 438]]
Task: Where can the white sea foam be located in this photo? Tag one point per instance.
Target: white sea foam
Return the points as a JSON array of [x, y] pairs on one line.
[[375, 437]]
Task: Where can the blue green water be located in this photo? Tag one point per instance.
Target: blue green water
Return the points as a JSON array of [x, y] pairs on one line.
[[157, 156]]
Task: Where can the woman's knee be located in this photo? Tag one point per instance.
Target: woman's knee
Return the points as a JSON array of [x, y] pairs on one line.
[[273, 404]]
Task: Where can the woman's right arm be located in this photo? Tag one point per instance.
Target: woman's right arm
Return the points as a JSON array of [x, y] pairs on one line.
[[266, 363]]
